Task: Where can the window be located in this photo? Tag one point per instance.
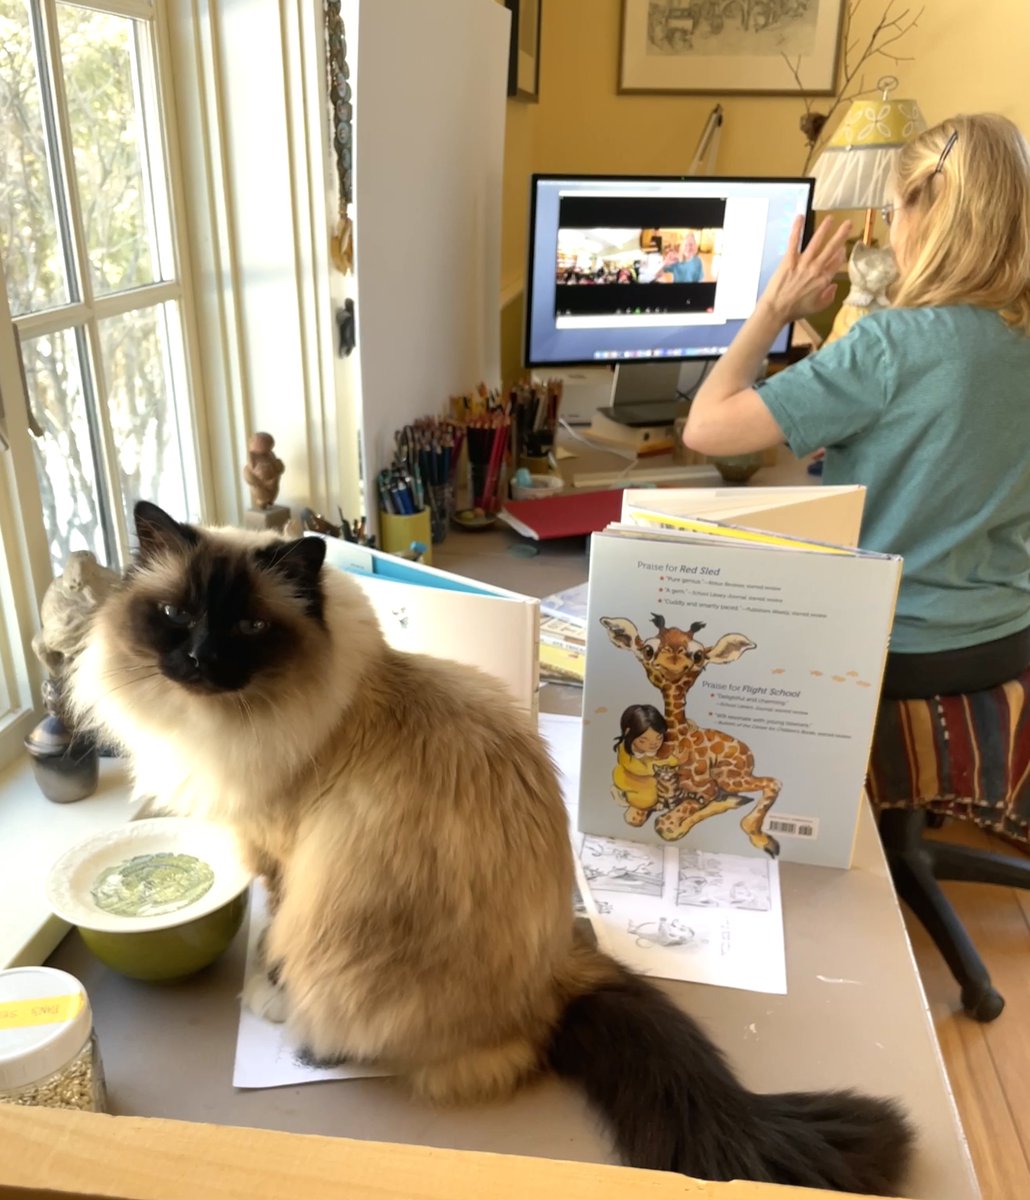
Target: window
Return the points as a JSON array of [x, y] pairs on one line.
[[94, 359], [90, 263]]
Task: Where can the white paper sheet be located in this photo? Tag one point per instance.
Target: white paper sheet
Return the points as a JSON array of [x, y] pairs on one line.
[[677, 914], [264, 1056]]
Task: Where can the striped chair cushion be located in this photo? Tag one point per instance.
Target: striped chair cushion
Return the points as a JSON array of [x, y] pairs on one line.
[[960, 756]]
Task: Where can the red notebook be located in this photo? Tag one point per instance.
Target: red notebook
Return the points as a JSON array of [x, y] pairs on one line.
[[571, 514]]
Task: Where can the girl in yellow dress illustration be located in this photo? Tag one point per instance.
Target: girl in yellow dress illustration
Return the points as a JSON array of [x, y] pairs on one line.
[[637, 746]]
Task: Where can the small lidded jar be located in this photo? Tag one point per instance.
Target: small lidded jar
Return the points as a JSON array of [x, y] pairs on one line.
[[49, 1057]]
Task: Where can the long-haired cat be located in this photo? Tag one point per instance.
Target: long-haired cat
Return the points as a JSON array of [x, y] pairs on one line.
[[412, 829]]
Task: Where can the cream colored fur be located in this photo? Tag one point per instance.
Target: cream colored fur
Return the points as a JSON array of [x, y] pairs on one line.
[[410, 822]]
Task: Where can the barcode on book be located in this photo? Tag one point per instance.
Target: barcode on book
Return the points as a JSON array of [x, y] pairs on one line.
[[788, 826]]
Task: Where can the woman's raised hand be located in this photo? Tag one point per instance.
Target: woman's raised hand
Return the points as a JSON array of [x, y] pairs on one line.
[[804, 281]]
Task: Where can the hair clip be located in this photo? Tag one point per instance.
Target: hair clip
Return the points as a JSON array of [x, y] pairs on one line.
[[945, 152]]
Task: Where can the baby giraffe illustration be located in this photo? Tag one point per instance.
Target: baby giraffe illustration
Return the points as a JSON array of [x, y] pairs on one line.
[[716, 770]]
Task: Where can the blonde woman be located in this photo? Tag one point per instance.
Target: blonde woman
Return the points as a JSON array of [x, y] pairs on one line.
[[926, 403]]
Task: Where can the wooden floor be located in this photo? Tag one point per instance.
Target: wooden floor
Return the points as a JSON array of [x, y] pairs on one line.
[[989, 1065]]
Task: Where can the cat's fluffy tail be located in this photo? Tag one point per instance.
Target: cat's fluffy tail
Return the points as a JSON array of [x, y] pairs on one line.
[[674, 1105]]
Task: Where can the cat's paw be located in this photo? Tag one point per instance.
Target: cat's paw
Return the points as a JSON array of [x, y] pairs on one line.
[[264, 999]]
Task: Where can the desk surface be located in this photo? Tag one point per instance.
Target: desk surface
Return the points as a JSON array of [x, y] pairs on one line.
[[854, 1015]]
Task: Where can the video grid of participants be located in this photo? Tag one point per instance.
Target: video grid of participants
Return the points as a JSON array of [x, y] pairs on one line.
[[627, 255]]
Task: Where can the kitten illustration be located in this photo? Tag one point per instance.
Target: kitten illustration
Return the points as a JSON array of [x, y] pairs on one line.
[[412, 826], [667, 785]]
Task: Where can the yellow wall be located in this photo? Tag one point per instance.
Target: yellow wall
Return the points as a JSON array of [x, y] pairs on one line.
[[961, 62]]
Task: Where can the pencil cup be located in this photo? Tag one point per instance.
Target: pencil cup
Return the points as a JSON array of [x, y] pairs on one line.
[[397, 532], [483, 493]]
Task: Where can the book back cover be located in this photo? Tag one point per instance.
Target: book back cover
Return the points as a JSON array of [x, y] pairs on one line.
[[730, 694]]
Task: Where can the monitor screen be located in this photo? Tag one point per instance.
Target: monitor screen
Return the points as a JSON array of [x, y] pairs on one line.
[[631, 270]]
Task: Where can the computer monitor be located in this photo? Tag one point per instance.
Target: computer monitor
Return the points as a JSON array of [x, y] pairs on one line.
[[651, 270]]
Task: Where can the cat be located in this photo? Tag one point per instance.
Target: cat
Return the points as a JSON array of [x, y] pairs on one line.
[[411, 825]]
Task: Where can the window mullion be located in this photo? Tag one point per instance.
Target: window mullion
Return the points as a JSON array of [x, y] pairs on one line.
[[114, 304], [58, 145], [103, 450], [50, 320]]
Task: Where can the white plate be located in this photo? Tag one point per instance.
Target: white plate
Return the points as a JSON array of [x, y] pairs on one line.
[[74, 874]]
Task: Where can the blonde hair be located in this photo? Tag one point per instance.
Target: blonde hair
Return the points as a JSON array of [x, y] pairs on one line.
[[965, 184]]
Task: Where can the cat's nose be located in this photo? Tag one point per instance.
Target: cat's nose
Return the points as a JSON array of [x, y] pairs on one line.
[[201, 652]]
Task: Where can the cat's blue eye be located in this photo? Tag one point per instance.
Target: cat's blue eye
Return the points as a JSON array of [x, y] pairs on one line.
[[251, 628], [176, 616]]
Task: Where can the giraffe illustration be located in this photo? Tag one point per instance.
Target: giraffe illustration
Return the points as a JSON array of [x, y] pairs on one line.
[[716, 770]]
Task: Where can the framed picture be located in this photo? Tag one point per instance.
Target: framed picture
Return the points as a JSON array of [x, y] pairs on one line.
[[524, 54], [724, 46]]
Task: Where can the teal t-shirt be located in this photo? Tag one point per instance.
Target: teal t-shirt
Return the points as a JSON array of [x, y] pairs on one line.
[[929, 408], [690, 270]]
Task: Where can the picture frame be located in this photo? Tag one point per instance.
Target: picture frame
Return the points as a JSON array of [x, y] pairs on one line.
[[726, 47], [524, 52]]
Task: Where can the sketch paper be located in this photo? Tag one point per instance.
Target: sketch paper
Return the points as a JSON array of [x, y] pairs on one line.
[[264, 1056], [688, 915], [673, 913]]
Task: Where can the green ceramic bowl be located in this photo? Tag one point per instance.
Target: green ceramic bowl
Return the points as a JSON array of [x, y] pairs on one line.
[[157, 899]]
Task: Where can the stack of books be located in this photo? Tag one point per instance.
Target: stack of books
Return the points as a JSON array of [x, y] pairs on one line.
[[563, 638], [607, 430]]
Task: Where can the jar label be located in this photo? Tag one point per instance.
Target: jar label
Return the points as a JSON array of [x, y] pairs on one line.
[[42, 1010]]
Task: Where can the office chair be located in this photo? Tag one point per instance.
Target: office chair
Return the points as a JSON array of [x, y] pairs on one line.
[[963, 757]]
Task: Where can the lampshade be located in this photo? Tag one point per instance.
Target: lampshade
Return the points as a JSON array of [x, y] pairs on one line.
[[854, 169]]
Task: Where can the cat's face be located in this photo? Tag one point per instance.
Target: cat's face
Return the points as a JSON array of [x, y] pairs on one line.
[[219, 614]]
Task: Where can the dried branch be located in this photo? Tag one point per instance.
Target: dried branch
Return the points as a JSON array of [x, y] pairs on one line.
[[889, 29]]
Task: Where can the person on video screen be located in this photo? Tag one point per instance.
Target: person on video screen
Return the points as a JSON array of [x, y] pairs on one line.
[[682, 263]]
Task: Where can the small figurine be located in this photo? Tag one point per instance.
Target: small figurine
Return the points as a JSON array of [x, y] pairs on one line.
[[68, 607], [66, 763], [262, 470], [871, 271]]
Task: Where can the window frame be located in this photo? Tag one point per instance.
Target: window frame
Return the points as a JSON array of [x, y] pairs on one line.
[[24, 551]]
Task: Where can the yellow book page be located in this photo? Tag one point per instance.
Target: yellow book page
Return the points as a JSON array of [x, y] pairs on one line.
[[832, 516], [734, 532]]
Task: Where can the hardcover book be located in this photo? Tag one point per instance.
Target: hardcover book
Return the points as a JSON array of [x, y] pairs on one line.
[[733, 672]]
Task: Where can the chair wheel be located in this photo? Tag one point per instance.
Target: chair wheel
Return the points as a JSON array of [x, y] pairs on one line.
[[983, 1004]]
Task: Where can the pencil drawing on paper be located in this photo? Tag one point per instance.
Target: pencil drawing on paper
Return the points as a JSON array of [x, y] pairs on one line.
[[723, 881], [614, 866], [732, 27], [667, 932]]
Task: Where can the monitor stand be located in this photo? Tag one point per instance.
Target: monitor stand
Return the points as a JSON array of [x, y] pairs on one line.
[[652, 393]]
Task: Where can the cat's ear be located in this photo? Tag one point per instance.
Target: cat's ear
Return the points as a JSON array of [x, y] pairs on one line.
[[299, 561], [158, 532]]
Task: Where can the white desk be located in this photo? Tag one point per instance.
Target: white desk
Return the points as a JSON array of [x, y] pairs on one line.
[[854, 1016]]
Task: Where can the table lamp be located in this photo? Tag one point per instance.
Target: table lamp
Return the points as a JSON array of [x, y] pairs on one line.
[[854, 171]]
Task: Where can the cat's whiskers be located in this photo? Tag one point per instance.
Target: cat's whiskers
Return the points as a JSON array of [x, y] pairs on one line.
[[114, 672], [246, 708], [138, 679]]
